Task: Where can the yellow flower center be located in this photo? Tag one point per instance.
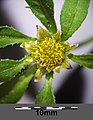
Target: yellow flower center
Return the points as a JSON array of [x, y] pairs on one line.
[[48, 53]]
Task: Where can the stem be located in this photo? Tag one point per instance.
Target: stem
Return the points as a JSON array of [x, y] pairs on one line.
[[86, 42]]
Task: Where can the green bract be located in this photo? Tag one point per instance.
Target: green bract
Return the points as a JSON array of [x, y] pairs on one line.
[[10, 68], [49, 51], [45, 95], [84, 60], [11, 36], [44, 11], [72, 16], [11, 91]]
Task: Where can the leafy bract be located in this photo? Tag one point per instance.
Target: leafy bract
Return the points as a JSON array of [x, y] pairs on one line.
[[11, 91], [72, 15], [45, 95], [9, 68], [84, 60], [10, 36], [44, 11], [42, 34]]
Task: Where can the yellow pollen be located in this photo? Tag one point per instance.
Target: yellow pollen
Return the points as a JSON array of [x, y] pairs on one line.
[[48, 53]]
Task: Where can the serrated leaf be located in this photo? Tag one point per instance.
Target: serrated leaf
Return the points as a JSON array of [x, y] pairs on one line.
[[11, 91], [45, 95], [84, 60], [72, 15], [44, 11], [10, 68], [10, 36]]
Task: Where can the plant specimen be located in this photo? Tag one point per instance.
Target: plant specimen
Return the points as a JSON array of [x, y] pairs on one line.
[[49, 51]]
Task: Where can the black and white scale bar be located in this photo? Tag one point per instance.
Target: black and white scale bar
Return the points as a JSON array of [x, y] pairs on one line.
[[23, 108], [47, 108], [55, 108]]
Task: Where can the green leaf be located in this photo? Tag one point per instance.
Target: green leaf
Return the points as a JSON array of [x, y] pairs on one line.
[[45, 95], [84, 60], [11, 91], [44, 11], [10, 36], [10, 68], [72, 15]]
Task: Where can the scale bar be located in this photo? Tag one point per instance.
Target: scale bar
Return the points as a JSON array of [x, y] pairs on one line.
[[47, 108]]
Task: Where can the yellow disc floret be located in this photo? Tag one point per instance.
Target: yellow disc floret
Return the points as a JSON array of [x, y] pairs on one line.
[[48, 53]]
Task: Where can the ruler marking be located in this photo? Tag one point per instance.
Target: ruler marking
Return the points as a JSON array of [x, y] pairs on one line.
[[37, 107], [23, 108], [74, 107], [51, 108]]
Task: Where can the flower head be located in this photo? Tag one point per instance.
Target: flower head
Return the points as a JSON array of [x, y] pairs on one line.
[[48, 52]]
